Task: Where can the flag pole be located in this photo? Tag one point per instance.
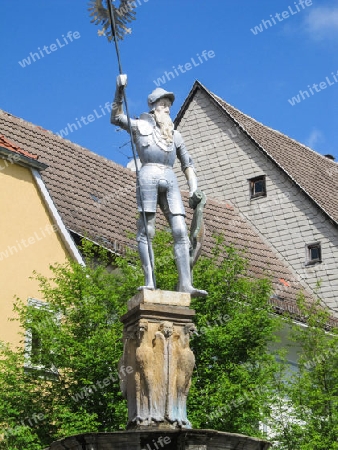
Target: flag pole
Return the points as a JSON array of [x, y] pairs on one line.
[[138, 186]]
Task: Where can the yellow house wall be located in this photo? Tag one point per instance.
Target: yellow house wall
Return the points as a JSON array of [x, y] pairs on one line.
[[27, 242]]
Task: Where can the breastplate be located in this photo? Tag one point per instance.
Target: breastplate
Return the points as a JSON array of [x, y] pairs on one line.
[[150, 145]]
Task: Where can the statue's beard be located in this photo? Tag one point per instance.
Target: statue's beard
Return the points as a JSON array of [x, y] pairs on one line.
[[165, 125]]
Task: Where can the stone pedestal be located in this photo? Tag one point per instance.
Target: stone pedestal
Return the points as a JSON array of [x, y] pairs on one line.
[[157, 362]]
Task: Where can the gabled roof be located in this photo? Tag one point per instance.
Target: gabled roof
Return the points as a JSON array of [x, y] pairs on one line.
[[316, 175], [96, 199]]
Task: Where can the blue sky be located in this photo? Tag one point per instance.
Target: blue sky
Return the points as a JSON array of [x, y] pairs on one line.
[[256, 71]]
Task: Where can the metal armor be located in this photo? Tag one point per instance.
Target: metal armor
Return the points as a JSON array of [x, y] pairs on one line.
[[157, 184], [157, 157]]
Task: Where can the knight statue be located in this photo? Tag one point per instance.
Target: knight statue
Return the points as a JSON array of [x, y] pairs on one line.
[[158, 145]]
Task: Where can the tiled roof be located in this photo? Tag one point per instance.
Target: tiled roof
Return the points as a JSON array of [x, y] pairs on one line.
[[96, 199], [5, 143], [315, 174], [94, 195]]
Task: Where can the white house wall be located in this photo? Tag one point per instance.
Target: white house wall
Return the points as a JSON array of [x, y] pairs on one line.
[[225, 159]]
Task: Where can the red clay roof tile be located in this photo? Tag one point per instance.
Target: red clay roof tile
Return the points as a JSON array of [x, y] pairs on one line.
[[6, 143]]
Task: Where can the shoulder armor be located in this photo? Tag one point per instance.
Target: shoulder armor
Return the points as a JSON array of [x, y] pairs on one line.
[[146, 124], [177, 138]]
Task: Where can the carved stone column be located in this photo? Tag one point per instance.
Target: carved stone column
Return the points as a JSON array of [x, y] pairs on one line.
[[157, 362]]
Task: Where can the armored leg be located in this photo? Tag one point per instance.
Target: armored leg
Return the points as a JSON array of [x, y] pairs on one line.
[[145, 248], [182, 256]]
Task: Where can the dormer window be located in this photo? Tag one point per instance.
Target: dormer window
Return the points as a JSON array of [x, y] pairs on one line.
[[313, 253], [257, 187]]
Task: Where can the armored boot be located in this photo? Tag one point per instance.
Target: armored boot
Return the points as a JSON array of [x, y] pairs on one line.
[[182, 258], [146, 265]]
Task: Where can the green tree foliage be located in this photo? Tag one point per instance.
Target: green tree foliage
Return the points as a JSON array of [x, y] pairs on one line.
[[306, 416], [232, 386], [70, 383]]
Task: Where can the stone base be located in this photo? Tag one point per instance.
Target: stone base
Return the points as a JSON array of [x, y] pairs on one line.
[[159, 297], [158, 359], [157, 306], [160, 440]]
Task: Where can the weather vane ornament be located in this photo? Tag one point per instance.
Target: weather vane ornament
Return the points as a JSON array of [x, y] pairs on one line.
[[101, 12]]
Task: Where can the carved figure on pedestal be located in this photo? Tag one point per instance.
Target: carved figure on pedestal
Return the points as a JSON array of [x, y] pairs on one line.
[[180, 371], [173, 348], [185, 366], [161, 345], [144, 378], [127, 379]]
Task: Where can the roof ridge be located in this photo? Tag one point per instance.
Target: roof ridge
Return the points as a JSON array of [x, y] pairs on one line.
[[20, 119], [272, 129], [62, 139]]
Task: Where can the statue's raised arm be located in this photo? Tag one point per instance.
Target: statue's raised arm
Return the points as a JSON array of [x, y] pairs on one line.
[[117, 114]]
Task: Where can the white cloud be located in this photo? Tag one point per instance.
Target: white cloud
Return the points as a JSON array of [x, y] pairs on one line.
[[315, 137], [322, 22]]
